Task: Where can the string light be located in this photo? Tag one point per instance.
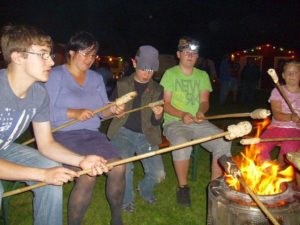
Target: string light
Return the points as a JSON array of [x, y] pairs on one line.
[[262, 48]]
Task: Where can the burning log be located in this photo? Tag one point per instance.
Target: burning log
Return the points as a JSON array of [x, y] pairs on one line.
[[294, 158], [231, 168]]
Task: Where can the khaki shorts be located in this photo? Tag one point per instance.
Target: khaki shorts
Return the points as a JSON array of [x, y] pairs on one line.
[[177, 133]]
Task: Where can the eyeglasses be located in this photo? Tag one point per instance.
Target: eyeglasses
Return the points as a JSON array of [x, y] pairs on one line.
[[43, 55], [86, 54], [189, 53]]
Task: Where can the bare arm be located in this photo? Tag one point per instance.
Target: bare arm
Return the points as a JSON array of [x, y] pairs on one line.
[[54, 175], [12, 171], [85, 114], [203, 106], [204, 102], [52, 149], [280, 116], [55, 151], [185, 116]]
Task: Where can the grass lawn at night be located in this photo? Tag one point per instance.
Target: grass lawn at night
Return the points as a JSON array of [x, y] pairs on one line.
[[165, 211]]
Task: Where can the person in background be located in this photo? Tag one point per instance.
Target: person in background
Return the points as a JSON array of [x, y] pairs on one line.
[[208, 66], [186, 96], [284, 124], [235, 73], [108, 78], [75, 92], [228, 81], [249, 80], [140, 132], [24, 99]]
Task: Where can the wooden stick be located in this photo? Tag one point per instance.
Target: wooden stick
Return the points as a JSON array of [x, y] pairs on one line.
[[253, 141], [150, 105], [234, 131], [274, 77], [119, 101], [294, 158], [258, 202], [234, 115], [256, 114]]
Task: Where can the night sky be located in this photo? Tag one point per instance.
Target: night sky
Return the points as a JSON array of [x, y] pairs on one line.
[[121, 26]]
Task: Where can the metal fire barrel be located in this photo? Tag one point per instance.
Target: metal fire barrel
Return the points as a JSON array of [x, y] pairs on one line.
[[230, 207]]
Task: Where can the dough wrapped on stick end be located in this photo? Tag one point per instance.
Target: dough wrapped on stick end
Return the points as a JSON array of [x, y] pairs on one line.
[[239, 130]]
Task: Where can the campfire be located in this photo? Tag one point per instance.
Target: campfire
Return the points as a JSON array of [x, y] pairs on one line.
[[230, 204], [262, 177]]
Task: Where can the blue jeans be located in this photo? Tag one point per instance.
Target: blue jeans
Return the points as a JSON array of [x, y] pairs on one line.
[[47, 202], [128, 143]]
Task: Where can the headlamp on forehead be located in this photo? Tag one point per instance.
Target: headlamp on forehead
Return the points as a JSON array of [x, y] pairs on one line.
[[190, 45]]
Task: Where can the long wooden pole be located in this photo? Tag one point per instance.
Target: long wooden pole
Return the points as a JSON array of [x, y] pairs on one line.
[[123, 161], [253, 141], [234, 131], [150, 105], [256, 114], [234, 115]]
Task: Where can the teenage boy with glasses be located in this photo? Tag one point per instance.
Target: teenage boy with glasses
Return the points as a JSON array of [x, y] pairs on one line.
[[24, 100], [186, 96]]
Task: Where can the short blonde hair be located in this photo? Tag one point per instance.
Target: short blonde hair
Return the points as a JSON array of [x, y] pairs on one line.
[[20, 38]]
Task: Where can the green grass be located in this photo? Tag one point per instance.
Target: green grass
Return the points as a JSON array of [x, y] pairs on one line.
[[165, 211]]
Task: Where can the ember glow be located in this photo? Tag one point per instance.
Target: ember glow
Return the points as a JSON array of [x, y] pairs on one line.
[[263, 178]]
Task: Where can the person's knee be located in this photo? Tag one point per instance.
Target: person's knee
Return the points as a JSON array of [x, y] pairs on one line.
[[118, 170], [176, 138], [160, 176], [53, 192], [182, 154]]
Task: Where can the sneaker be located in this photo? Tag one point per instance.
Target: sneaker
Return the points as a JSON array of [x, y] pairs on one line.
[[129, 208], [151, 200], [183, 196]]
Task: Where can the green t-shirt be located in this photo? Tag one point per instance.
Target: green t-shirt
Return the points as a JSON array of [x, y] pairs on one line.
[[185, 89]]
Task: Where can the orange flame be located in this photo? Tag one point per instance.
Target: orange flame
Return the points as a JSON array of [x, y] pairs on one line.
[[262, 177]]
